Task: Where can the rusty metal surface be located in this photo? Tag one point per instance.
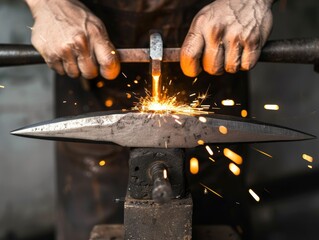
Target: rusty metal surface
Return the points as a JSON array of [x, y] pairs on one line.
[[135, 129], [146, 220], [141, 184]]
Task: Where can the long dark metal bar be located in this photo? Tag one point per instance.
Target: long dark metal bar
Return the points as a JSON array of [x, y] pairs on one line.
[[302, 51]]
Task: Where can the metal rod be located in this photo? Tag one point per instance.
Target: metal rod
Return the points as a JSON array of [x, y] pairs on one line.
[[302, 51]]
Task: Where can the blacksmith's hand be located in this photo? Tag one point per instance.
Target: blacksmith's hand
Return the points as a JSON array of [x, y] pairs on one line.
[[72, 40], [226, 35]]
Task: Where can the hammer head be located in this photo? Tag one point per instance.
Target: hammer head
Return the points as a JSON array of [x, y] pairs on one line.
[[135, 129]]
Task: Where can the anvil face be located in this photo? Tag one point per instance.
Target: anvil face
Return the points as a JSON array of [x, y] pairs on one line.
[[135, 129]]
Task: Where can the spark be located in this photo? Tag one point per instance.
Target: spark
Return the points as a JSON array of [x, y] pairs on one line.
[[194, 165], [75, 104], [1, 86], [209, 150], [128, 95], [165, 174], [233, 156], [102, 163], [202, 119], [175, 116], [113, 52], [205, 191], [200, 142], [193, 94], [108, 103], [166, 105], [179, 122], [254, 195], [307, 158], [195, 80], [228, 102], [100, 84], [128, 85], [234, 169], [273, 107], [223, 130], [135, 81], [210, 158], [211, 190], [309, 166], [244, 113], [64, 101], [170, 82], [264, 153], [124, 74]]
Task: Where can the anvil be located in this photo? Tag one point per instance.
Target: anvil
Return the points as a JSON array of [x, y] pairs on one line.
[[157, 205]]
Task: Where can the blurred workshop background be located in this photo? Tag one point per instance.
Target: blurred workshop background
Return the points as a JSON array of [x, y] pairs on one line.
[[282, 174]]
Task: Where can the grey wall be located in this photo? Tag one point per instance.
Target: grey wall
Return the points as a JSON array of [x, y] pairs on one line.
[[26, 166]]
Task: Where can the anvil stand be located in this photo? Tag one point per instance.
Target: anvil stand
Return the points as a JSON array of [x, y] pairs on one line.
[[158, 204]]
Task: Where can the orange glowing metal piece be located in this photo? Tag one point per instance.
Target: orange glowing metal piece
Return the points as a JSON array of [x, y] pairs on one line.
[[254, 195], [233, 156], [193, 165], [100, 84], [223, 130], [156, 91], [200, 142], [307, 157], [209, 150], [234, 169]]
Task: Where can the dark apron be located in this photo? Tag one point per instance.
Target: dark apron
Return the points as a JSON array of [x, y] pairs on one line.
[[86, 191]]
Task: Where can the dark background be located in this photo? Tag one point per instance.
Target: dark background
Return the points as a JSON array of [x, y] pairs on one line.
[[289, 189]]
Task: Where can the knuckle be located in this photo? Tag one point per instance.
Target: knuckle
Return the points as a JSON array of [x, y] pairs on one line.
[[80, 41]]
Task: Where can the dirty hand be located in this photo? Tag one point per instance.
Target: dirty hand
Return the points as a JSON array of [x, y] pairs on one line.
[[227, 35], [72, 40]]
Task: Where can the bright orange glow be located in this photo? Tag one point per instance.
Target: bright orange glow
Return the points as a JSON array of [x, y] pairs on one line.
[[156, 91], [228, 102], [254, 195], [194, 165], [100, 84], [200, 142], [136, 81], [128, 95], [307, 157], [223, 130], [234, 169], [113, 52], [108, 103], [273, 107], [233, 156], [244, 113], [102, 163]]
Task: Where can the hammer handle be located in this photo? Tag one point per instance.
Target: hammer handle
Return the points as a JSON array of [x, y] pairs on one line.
[[302, 51]]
